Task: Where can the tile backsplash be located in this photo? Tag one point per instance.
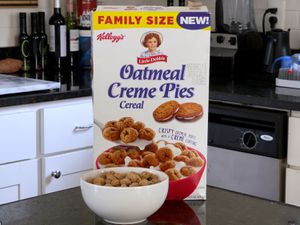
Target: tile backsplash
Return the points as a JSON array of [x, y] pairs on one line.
[[9, 26]]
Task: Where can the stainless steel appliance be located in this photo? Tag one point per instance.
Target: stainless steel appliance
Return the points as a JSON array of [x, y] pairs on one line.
[[247, 150], [235, 16], [223, 48]]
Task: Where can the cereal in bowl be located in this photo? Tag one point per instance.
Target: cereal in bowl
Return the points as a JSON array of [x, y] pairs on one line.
[[131, 179]]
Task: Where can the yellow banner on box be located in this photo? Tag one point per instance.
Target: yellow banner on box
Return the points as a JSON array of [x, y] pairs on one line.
[[114, 20]]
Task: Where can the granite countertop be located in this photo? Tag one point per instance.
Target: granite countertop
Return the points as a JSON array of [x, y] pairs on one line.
[[248, 92], [257, 93], [221, 207]]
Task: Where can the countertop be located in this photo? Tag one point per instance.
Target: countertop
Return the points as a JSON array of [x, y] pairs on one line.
[[221, 208], [257, 93], [248, 92]]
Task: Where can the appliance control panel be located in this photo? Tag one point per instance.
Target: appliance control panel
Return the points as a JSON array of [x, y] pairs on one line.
[[249, 140], [222, 40]]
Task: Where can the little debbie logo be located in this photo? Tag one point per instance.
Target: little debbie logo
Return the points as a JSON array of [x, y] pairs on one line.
[[110, 37], [151, 41]]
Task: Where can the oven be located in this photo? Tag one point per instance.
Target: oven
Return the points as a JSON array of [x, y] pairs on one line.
[[247, 150]]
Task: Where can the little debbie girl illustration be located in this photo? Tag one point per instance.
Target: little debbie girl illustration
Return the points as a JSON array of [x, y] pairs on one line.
[[151, 41]]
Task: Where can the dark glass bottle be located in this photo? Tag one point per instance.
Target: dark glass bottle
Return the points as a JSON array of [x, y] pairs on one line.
[[85, 9], [181, 3], [170, 3], [58, 38], [43, 41], [24, 43], [34, 43], [72, 35]]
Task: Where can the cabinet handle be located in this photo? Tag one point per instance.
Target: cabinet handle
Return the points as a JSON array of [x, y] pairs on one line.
[[56, 174], [82, 128]]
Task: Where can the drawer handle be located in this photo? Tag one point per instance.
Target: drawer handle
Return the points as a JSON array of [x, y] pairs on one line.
[[56, 174], [82, 128]]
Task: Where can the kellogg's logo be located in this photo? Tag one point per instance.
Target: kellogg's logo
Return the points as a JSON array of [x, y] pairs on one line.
[[110, 37]]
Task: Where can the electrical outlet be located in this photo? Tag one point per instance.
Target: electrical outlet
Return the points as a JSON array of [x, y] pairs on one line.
[[280, 5]]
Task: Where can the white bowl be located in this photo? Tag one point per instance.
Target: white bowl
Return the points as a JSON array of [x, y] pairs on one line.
[[124, 205]]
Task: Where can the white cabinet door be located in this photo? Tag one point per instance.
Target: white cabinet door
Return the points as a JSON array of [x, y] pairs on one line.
[[18, 181], [292, 192], [66, 127], [294, 142], [69, 168], [18, 136]]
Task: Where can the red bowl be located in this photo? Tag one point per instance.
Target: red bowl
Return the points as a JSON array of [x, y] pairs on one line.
[[181, 189]]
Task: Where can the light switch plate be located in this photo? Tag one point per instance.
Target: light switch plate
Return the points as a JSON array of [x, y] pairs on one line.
[[281, 6]]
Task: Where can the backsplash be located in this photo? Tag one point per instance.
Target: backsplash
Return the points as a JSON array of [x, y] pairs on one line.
[[9, 26]]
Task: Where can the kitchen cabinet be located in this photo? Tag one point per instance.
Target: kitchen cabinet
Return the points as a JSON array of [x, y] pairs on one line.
[[18, 180], [66, 127], [18, 134], [64, 170], [38, 139], [292, 195]]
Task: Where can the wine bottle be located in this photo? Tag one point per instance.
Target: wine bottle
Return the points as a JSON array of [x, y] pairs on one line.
[[181, 3], [170, 3], [86, 8], [43, 41], [58, 38], [24, 43], [34, 43], [72, 35]]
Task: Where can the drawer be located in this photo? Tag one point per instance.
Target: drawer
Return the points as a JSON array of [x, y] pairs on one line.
[[294, 142], [18, 136], [70, 166], [21, 181], [66, 127], [292, 190], [9, 194]]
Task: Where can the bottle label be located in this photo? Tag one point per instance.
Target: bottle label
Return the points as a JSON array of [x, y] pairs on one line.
[[25, 48], [43, 48], [74, 40], [25, 51], [58, 40], [52, 38], [63, 40], [86, 18]]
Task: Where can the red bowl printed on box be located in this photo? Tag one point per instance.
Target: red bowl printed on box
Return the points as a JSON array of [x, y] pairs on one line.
[[181, 189], [184, 187]]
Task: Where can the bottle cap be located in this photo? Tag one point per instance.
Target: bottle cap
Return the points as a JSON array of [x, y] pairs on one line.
[[56, 3]]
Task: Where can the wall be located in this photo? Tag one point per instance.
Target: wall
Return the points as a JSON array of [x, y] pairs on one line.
[[9, 26], [9, 17]]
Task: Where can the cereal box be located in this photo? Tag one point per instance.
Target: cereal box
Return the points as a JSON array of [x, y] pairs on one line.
[[150, 92]]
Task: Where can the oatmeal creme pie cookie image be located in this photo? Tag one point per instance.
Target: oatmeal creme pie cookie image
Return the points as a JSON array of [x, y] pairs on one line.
[[166, 111], [189, 111]]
